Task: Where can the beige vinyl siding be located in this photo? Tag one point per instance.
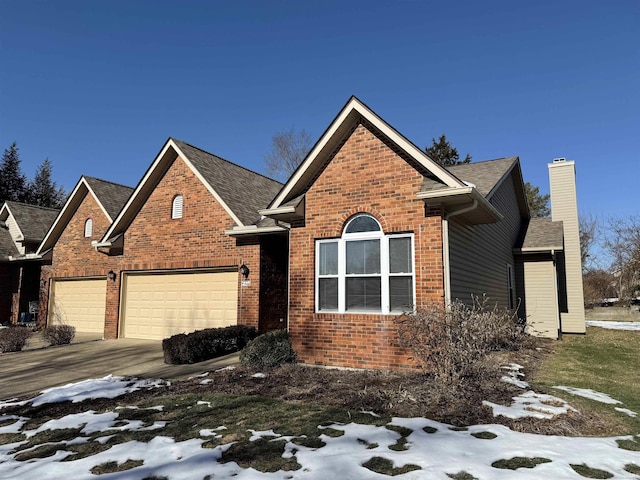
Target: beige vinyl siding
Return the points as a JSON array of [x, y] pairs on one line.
[[479, 254], [15, 233], [156, 306], [564, 207], [541, 302], [79, 303]]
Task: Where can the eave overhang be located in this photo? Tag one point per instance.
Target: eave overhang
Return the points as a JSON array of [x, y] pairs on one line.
[[455, 198], [286, 213], [253, 230]]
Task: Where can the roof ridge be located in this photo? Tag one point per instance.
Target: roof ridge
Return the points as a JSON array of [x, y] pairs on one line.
[[107, 181], [227, 161], [484, 161], [32, 206]]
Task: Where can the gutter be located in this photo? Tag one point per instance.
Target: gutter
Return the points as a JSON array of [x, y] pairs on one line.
[[253, 230]]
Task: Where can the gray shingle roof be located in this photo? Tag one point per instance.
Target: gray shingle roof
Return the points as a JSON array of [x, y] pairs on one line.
[[7, 247], [111, 195], [542, 234], [244, 191], [34, 221], [484, 175]]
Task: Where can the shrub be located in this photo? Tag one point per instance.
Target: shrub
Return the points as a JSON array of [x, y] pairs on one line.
[[268, 351], [206, 344], [452, 343], [13, 339], [59, 334]]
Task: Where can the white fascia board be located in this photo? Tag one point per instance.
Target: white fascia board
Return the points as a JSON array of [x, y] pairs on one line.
[[444, 192], [207, 185], [61, 215], [277, 211], [28, 256], [252, 230], [6, 210], [552, 249], [104, 210], [355, 105]]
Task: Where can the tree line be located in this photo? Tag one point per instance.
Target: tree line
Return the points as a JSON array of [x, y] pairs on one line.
[[41, 190]]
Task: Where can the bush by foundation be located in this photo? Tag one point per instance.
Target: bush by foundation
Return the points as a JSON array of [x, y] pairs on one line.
[[268, 351], [13, 339], [59, 334]]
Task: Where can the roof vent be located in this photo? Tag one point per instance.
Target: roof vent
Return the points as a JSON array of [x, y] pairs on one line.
[[558, 160]]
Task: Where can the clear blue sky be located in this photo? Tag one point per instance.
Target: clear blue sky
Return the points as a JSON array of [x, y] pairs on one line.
[[98, 86]]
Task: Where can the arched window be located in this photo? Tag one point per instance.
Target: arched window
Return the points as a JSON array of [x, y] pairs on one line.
[[176, 207], [88, 228], [365, 270]]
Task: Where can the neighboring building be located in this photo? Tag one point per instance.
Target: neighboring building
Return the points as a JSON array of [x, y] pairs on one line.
[[74, 273], [22, 228], [366, 228]]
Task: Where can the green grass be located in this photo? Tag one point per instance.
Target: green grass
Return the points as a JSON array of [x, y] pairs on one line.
[[112, 467], [385, 467], [461, 476], [520, 462], [588, 472], [484, 435], [601, 360]]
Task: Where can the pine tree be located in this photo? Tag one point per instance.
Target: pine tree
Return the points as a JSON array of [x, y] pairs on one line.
[[538, 203], [42, 191], [12, 180], [443, 153]]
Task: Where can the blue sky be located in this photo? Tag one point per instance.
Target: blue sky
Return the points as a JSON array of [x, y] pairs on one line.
[[97, 87]]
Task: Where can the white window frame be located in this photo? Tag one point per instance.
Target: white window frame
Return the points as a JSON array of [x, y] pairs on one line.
[[88, 228], [384, 274], [177, 206]]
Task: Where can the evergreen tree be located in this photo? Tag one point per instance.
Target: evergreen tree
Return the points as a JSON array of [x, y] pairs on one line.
[[12, 180], [44, 192], [538, 203], [443, 153]]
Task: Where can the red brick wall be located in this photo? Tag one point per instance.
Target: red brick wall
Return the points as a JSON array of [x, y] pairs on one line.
[[155, 241], [365, 175]]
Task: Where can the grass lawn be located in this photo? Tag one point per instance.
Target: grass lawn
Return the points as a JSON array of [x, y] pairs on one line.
[[606, 361]]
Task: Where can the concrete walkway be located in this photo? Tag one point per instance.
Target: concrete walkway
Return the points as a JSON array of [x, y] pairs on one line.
[[37, 368]]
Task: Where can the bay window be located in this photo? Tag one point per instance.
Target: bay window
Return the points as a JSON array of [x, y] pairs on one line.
[[365, 271]]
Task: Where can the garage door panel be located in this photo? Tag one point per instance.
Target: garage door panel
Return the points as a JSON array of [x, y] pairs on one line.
[[79, 303], [160, 305]]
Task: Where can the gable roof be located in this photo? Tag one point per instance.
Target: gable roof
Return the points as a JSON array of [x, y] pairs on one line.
[[32, 220], [108, 195], [351, 114], [7, 247], [241, 192]]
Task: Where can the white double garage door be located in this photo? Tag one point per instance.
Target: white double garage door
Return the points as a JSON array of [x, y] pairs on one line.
[[153, 305]]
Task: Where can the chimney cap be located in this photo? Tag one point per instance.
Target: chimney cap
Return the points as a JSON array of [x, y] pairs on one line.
[[559, 159]]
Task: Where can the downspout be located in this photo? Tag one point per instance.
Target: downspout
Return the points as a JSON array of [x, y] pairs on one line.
[[445, 248]]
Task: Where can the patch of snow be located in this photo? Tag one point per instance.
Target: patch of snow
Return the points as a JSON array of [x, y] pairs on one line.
[[259, 375], [513, 374], [531, 404], [633, 326], [15, 427], [369, 412], [257, 434], [12, 403], [107, 387], [104, 439], [627, 411], [202, 402], [206, 432], [205, 374], [206, 382], [230, 367], [588, 393]]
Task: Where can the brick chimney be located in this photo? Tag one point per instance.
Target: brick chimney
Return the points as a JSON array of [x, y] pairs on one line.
[[564, 208]]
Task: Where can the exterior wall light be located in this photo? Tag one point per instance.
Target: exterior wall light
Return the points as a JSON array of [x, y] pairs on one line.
[[112, 275], [244, 270]]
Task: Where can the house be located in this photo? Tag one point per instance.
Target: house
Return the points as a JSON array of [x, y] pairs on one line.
[[22, 228], [74, 274], [366, 228]]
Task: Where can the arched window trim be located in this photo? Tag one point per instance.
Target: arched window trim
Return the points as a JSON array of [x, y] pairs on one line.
[[88, 228], [377, 232], [177, 206]]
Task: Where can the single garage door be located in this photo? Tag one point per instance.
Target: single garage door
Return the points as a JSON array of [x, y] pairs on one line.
[[159, 305], [79, 303]]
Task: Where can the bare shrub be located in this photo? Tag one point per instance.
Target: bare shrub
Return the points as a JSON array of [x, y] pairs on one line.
[[59, 334], [268, 351], [13, 339], [451, 343]]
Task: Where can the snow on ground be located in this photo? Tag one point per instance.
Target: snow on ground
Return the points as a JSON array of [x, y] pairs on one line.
[[635, 326], [437, 448], [588, 393]]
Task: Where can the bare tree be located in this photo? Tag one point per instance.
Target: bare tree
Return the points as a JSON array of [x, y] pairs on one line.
[[589, 236], [288, 150], [622, 242]]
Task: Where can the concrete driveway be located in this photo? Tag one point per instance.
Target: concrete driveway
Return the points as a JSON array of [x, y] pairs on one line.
[[36, 368]]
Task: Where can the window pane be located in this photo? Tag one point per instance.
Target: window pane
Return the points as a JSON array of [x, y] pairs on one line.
[[400, 294], [328, 258], [327, 294], [364, 294], [363, 223], [363, 256], [400, 255]]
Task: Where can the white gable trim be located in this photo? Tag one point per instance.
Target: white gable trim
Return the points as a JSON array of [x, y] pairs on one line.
[[149, 174], [9, 213], [356, 106]]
